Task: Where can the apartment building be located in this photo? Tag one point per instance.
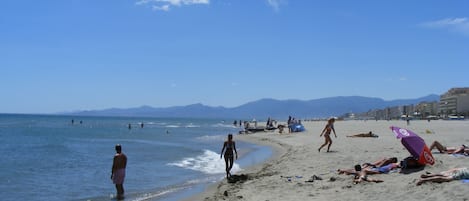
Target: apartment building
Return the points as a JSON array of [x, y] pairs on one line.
[[454, 102]]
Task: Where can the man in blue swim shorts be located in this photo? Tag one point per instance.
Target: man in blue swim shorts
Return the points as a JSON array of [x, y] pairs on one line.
[[384, 169]]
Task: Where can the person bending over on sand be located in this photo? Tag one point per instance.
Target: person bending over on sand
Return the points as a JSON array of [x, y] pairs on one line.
[[369, 134], [327, 134], [449, 150], [280, 128], [445, 176], [227, 151], [118, 171]]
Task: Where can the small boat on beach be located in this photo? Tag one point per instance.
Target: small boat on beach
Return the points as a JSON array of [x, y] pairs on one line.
[[256, 129], [296, 127]]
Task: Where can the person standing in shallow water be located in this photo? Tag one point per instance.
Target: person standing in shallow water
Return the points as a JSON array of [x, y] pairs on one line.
[[227, 151], [118, 171], [327, 134]]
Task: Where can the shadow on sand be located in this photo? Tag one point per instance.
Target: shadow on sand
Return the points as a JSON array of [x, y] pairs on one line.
[[237, 178]]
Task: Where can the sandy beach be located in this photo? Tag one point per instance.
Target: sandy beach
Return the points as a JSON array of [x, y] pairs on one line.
[[297, 159]]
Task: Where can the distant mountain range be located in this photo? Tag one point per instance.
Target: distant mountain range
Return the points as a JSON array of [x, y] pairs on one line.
[[264, 108]]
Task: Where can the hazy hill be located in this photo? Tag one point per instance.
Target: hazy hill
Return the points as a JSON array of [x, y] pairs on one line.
[[261, 109]]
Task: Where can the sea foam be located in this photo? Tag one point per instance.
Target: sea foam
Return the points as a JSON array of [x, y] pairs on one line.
[[211, 138], [208, 162]]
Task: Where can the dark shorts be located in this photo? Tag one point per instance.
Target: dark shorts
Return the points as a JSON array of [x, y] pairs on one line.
[[229, 156], [118, 176]]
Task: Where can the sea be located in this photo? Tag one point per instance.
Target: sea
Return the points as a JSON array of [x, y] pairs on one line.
[[57, 158]]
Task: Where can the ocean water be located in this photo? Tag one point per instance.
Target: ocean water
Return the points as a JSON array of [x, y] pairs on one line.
[[49, 158]]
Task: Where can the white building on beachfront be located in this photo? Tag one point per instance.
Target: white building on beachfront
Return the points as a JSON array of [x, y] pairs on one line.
[[426, 109], [455, 102]]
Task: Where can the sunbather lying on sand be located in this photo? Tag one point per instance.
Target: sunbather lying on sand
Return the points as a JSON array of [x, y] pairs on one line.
[[382, 162], [377, 164], [371, 170], [362, 175], [369, 134], [445, 176], [463, 149]]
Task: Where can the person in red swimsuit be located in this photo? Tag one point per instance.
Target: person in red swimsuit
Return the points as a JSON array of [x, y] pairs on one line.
[[327, 134]]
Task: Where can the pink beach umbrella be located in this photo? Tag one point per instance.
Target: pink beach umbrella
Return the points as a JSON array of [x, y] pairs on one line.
[[414, 144]]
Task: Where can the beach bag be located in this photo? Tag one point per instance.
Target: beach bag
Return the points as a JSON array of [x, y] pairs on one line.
[[411, 163]]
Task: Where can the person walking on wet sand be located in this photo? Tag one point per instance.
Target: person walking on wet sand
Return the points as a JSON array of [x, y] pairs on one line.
[[118, 171], [227, 151], [327, 134]]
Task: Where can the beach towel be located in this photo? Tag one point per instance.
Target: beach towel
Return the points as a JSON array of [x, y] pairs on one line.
[[459, 155]]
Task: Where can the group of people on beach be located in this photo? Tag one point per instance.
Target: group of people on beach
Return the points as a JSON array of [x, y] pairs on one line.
[[229, 147], [360, 172], [451, 174], [387, 165], [381, 166]]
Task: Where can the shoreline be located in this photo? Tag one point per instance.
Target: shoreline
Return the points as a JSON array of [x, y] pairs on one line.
[[277, 151], [296, 157], [261, 139]]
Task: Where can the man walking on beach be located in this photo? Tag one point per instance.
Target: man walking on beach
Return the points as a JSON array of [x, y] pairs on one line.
[[118, 171]]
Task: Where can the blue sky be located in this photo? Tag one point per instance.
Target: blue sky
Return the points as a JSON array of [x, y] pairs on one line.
[[85, 54]]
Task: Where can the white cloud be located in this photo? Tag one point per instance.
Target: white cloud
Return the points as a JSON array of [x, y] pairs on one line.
[[275, 4], [460, 25], [165, 5], [141, 2]]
